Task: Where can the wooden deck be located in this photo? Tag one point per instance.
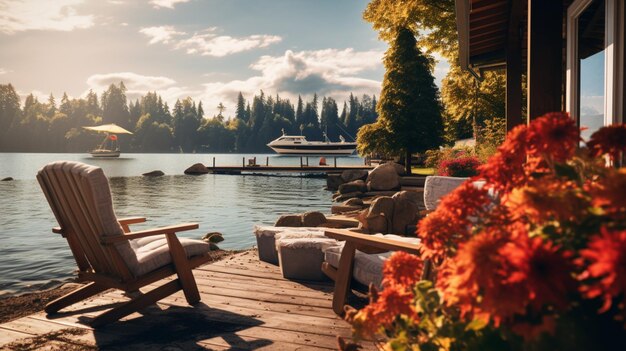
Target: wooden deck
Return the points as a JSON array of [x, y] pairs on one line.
[[246, 305]]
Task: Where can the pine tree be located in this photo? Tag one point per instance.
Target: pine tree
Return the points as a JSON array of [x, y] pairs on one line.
[[240, 113], [299, 113], [409, 106]]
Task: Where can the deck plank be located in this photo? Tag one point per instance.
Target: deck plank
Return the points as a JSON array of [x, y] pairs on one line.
[[246, 305]]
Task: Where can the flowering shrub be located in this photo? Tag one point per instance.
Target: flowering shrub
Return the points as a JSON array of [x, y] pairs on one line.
[[534, 258], [465, 166]]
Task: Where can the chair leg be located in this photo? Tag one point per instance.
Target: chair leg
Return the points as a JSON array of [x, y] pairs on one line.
[[183, 270], [74, 297], [136, 304], [344, 277]]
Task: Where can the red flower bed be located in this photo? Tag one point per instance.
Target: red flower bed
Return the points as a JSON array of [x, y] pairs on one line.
[[531, 257], [465, 166]]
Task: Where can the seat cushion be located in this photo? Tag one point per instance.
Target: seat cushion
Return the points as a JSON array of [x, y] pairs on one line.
[[368, 268], [153, 252], [266, 230], [435, 187]]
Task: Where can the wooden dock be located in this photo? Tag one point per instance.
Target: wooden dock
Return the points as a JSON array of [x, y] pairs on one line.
[[246, 305], [281, 169]]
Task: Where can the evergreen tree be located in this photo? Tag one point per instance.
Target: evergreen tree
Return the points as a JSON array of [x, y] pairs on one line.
[[52, 107], [65, 106], [240, 113], [114, 106], [9, 113], [409, 105], [299, 113]]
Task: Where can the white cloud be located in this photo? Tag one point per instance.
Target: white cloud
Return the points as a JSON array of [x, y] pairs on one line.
[[116, 2], [136, 84], [160, 34], [59, 15], [4, 71], [208, 42], [166, 3], [328, 72]]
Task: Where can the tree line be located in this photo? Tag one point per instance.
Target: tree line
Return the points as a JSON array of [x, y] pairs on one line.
[[57, 127]]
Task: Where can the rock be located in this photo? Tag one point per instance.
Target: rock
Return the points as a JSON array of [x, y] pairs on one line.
[[344, 197], [154, 174], [333, 181], [384, 177], [197, 168], [289, 221], [313, 219], [378, 218], [353, 174], [384, 205], [405, 211], [354, 202], [213, 237], [6, 179], [399, 168], [354, 186]]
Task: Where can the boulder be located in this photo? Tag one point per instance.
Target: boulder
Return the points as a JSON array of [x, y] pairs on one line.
[[6, 179], [289, 221], [156, 173], [197, 168], [384, 177], [344, 197], [354, 186], [313, 219], [333, 181], [384, 205], [378, 218], [213, 238], [353, 174], [405, 211], [354, 202]]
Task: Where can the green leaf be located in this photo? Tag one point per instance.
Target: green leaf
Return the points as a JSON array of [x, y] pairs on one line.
[[566, 171]]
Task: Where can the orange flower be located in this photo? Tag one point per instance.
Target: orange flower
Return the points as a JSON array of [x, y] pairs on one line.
[[545, 199], [505, 169], [402, 269], [451, 223], [391, 303], [605, 260], [542, 268], [609, 193], [554, 135], [609, 140]]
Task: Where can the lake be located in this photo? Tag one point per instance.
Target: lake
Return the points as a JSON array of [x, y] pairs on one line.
[[31, 256]]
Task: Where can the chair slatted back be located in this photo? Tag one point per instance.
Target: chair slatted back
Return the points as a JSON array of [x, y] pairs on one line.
[[80, 198]]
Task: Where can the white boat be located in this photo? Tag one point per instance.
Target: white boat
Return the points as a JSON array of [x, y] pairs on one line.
[[109, 146], [105, 153], [298, 145]]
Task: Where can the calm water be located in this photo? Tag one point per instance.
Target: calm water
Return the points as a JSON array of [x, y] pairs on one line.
[[32, 256]]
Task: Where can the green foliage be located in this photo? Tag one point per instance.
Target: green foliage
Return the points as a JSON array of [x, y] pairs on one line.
[[44, 126]]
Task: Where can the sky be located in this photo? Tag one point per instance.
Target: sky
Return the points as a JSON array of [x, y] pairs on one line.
[[209, 50]]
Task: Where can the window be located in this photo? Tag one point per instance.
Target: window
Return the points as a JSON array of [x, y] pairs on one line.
[[594, 63]]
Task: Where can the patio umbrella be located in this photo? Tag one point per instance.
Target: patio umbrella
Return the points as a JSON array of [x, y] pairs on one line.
[[109, 128]]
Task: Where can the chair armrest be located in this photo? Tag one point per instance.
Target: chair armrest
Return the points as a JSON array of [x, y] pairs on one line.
[[58, 230], [368, 241], [131, 220], [149, 232]]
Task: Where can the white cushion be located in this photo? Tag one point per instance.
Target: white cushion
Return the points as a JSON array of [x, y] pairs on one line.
[[266, 230], [305, 243], [368, 268], [153, 252], [435, 187]]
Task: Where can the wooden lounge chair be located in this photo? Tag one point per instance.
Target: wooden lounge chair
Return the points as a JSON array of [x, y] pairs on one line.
[[369, 244], [108, 255]]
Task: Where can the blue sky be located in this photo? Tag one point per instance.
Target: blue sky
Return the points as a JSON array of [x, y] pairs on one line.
[[207, 49]]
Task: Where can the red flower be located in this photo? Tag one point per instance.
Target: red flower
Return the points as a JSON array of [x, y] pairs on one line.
[[553, 135], [505, 169], [391, 303], [402, 269], [609, 140], [465, 166], [605, 257], [451, 223]]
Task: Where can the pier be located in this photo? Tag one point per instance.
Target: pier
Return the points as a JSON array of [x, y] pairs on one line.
[[251, 166]]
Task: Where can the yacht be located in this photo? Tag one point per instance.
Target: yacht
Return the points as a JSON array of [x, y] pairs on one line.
[[298, 145]]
